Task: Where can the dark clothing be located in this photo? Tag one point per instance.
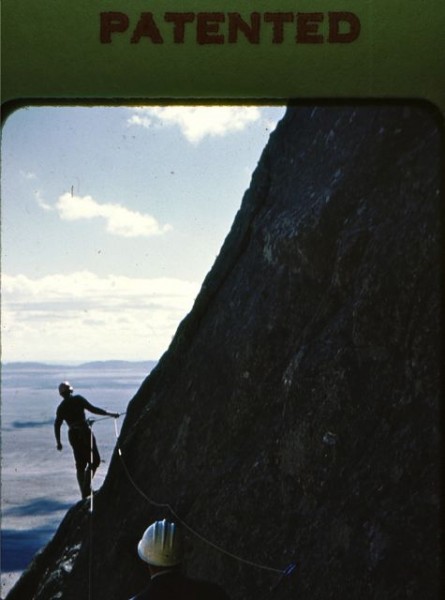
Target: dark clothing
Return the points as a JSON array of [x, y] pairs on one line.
[[176, 586], [72, 410], [84, 447], [86, 455]]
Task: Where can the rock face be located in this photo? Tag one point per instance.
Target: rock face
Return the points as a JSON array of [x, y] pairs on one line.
[[295, 416]]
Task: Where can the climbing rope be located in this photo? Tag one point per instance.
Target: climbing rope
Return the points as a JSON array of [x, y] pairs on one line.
[[90, 556], [282, 572], [90, 560], [91, 467], [90, 423]]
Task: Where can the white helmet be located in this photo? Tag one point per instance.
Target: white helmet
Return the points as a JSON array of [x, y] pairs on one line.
[[65, 387], [161, 544]]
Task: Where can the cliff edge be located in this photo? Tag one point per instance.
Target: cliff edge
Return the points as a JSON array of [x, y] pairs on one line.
[[295, 417]]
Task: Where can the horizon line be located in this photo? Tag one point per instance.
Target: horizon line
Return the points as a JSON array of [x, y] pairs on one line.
[[77, 362]]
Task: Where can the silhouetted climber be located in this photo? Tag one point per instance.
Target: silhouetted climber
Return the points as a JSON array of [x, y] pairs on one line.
[[86, 455], [161, 548]]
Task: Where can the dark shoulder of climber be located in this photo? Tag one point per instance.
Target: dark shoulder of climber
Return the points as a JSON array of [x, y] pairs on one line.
[[161, 547]]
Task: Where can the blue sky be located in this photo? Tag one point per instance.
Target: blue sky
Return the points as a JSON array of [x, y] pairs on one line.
[[111, 218]]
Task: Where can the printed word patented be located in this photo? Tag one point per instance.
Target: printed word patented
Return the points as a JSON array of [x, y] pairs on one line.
[[220, 27]]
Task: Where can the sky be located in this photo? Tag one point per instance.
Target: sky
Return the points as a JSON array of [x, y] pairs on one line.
[[111, 217]]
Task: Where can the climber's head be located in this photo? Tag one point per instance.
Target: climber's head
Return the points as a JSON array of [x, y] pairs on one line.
[[161, 545], [65, 389]]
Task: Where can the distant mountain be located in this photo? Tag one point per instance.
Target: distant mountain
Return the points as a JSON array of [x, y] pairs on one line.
[[99, 364], [27, 365], [118, 364]]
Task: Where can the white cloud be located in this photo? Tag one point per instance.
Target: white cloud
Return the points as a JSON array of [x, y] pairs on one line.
[[81, 316], [41, 201], [119, 220], [28, 175], [142, 121], [197, 122]]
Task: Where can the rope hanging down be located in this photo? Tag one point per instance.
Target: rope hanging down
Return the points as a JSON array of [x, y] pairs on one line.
[[283, 572]]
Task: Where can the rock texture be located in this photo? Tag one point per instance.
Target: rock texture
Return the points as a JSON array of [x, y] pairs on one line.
[[295, 416]]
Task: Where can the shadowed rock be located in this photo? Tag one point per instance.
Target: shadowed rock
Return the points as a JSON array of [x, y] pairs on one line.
[[295, 416]]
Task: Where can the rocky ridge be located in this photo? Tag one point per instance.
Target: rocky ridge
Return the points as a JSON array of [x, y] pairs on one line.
[[296, 415]]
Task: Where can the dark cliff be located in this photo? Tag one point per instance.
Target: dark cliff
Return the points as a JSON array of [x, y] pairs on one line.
[[296, 415]]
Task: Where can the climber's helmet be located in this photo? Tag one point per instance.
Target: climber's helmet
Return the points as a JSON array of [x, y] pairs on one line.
[[161, 544], [65, 388]]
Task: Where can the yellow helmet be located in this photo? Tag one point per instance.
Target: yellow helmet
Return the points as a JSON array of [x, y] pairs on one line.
[[161, 544]]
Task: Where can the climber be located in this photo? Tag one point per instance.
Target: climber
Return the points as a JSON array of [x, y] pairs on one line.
[[161, 547], [86, 455]]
